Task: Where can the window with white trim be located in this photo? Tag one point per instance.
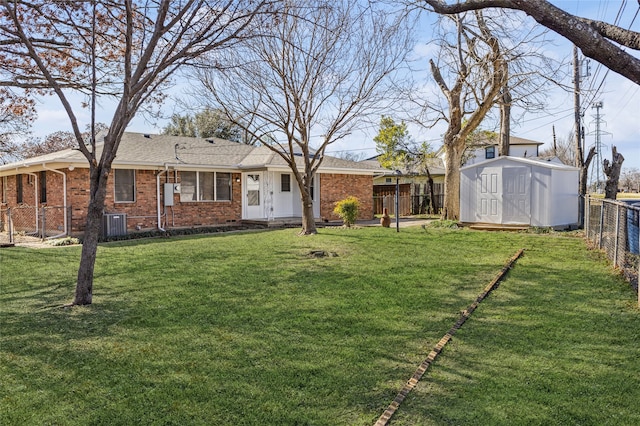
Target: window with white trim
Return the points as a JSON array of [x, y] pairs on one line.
[[490, 152], [205, 186], [285, 182], [124, 186]]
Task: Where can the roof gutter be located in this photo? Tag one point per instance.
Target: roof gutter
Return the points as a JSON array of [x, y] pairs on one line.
[[166, 168]]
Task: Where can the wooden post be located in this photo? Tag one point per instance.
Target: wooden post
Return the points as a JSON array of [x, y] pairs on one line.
[[601, 224]]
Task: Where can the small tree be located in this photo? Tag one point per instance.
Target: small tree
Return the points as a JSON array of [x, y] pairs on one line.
[[392, 143], [397, 150], [347, 210]]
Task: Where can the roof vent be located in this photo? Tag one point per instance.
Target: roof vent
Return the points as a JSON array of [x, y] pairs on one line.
[[146, 135]]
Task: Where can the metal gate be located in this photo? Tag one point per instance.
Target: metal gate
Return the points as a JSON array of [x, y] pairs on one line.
[[28, 223]]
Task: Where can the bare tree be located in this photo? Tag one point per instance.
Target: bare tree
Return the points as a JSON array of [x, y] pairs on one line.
[[598, 40], [55, 141], [630, 179], [563, 148], [323, 67], [466, 56], [128, 50], [207, 123], [478, 70], [350, 155], [612, 170], [16, 115]]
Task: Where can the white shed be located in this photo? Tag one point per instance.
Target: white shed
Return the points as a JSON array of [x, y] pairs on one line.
[[522, 191]]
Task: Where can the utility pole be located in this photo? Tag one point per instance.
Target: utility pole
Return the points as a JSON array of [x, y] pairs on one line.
[[580, 161], [597, 172]]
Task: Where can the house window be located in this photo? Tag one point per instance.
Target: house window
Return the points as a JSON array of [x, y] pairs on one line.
[[19, 188], [43, 186], [125, 186], [188, 185], [205, 186], [388, 180], [223, 186], [285, 183], [490, 152], [206, 190]]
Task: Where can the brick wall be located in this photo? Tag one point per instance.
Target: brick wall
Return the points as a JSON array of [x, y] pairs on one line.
[[141, 214], [336, 187]]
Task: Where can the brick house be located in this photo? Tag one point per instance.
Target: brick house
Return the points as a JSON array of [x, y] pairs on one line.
[[164, 182]]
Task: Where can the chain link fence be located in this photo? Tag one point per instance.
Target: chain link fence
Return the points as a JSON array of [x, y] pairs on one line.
[[28, 223], [614, 226]]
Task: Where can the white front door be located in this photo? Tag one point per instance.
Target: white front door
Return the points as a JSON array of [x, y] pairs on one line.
[[516, 195], [489, 207], [253, 208]]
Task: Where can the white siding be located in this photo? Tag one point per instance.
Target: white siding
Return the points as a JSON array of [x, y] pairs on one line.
[[549, 196]]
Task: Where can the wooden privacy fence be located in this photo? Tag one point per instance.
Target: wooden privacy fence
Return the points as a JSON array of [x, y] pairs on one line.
[[409, 204]]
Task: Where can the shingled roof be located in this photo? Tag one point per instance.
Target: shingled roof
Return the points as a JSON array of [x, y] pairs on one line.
[[152, 151]]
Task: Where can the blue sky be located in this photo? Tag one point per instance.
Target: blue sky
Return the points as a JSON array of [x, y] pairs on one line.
[[620, 114]]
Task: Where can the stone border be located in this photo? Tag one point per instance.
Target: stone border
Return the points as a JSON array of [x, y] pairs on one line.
[[408, 387]]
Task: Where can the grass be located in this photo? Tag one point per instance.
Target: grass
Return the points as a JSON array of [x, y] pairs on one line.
[[247, 329]]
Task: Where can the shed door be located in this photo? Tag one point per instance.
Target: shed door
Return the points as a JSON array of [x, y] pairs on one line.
[[516, 195], [489, 195]]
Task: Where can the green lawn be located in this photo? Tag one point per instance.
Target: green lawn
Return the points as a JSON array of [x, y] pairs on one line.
[[247, 329]]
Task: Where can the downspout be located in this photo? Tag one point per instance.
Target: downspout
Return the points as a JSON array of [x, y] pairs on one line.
[[64, 199], [160, 228], [35, 196]]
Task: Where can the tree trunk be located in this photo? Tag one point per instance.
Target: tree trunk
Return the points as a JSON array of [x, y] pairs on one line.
[[612, 170], [84, 283], [584, 171], [505, 121], [308, 221], [432, 201], [451, 209]]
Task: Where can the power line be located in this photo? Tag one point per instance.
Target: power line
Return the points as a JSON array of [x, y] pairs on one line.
[[596, 93]]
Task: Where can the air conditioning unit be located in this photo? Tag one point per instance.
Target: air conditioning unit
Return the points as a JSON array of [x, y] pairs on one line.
[[114, 224]]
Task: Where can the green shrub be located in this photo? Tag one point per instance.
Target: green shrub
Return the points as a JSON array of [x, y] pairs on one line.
[[452, 224], [67, 241], [347, 210]]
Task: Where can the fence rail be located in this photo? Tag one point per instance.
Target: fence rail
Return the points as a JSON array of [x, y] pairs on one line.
[[408, 204], [26, 223], [614, 226]]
